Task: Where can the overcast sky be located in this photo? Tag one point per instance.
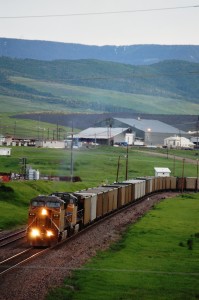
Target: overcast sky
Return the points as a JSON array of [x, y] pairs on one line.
[[102, 22]]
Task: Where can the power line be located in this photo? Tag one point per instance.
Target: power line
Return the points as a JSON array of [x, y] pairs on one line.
[[100, 13]]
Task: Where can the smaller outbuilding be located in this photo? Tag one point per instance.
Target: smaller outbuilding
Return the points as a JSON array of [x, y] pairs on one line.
[[162, 172], [5, 151]]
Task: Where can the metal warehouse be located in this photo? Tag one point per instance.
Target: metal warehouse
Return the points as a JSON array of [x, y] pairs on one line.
[[152, 132], [102, 135]]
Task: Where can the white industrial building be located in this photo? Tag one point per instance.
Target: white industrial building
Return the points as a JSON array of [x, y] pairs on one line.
[[103, 135], [150, 132], [178, 142]]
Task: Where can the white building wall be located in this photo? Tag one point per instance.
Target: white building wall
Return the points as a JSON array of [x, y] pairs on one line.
[[50, 144], [5, 151]]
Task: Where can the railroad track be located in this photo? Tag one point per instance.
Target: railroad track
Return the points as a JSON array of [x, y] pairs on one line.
[[30, 253], [17, 260], [6, 240]]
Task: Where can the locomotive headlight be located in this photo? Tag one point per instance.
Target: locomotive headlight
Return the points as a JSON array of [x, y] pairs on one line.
[[49, 233], [35, 232], [44, 212], [31, 214], [56, 216]]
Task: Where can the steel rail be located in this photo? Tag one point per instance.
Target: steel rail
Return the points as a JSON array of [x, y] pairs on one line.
[[13, 265], [12, 238]]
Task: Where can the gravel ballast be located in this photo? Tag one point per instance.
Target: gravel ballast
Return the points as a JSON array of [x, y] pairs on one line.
[[34, 279]]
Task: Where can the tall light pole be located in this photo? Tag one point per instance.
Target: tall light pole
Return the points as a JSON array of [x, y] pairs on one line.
[[149, 135]]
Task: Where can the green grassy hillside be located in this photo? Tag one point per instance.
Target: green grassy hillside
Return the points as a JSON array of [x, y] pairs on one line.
[[70, 98], [88, 85]]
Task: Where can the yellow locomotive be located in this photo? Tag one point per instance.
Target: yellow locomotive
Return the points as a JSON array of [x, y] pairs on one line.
[[52, 218]]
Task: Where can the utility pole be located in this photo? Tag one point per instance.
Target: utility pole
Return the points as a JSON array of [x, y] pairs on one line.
[[127, 158], [197, 129], [197, 178], [57, 132], [118, 167], [71, 156], [183, 174], [174, 163], [15, 126]]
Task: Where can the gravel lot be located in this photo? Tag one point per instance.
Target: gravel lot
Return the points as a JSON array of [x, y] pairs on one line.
[[33, 280]]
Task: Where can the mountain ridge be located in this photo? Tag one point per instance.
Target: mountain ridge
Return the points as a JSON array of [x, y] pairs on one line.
[[145, 54]]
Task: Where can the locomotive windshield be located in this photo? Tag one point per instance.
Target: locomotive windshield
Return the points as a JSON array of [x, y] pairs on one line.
[[38, 203], [53, 204]]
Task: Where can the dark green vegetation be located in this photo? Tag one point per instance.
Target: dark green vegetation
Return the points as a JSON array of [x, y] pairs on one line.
[[89, 85], [94, 166], [157, 258]]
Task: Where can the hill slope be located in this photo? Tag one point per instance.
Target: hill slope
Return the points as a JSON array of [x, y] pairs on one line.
[[84, 85]]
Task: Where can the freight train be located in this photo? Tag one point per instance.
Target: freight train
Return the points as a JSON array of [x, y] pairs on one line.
[[54, 217]]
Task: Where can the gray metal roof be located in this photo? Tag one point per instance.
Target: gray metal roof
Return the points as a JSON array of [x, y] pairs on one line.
[[149, 125], [99, 133]]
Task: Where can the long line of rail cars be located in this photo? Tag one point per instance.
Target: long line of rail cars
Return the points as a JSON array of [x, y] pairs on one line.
[[54, 217]]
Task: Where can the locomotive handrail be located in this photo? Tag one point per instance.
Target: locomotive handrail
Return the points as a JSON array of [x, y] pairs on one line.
[[31, 223]]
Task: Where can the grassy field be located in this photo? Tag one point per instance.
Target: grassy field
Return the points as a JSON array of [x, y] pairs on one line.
[[94, 166], [101, 161], [152, 260], [26, 128], [157, 258]]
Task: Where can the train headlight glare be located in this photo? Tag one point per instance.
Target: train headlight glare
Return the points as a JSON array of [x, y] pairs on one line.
[[49, 233], [44, 212], [35, 232]]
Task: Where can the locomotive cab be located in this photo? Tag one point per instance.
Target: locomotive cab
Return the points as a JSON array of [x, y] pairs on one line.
[[53, 218], [44, 220]]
